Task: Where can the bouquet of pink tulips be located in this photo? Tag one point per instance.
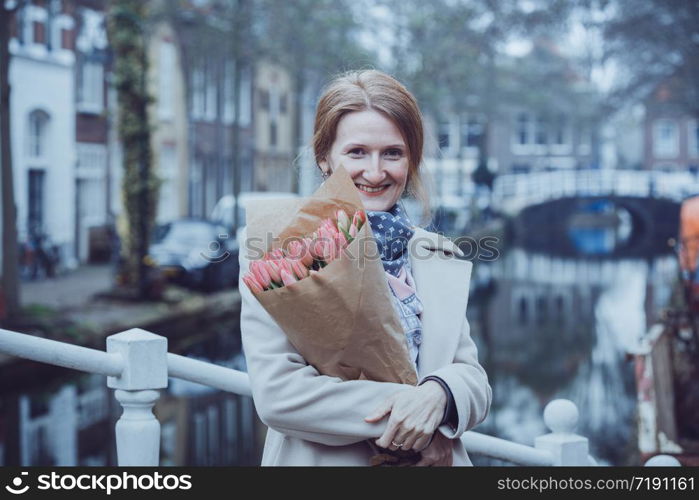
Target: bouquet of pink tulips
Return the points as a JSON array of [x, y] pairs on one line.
[[318, 273], [278, 268]]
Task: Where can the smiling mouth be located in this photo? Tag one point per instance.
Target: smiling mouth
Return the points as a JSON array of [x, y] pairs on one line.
[[372, 190]]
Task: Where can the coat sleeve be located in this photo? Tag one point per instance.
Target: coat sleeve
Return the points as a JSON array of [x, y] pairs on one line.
[[290, 395], [469, 386]]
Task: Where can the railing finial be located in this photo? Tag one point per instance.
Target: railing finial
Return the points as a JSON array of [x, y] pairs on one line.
[[561, 416]]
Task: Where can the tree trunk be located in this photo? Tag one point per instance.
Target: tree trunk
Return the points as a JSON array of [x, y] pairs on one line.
[[10, 274], [126, 28]]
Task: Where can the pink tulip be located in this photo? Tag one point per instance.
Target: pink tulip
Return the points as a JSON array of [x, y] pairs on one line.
[[300, 271], [261, 274], [359, 219], [252, 283], [300, 250], [340, 240], [307, 258], [275, 254], [353, 231], [329, 225], [343, 221], [285, 265], [287, 278], [329, 251], [317, 248], [272, 267]]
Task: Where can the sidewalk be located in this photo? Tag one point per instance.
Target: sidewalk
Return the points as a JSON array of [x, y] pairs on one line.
[[68, 291]]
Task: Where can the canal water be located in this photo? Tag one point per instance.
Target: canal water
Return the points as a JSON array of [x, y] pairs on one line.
[[67, 418], [547, 326], [554, 326]]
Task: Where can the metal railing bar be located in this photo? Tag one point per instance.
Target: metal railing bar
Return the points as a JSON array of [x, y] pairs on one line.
[[62, 354], [201, 372], [493, 447]]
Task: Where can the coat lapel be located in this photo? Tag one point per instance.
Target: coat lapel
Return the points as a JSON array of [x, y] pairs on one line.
[[442, 283]]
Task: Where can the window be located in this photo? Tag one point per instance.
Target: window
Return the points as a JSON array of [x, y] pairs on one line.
[[197, 93], [37, 137], [211, 91], [665, 139], [693, 139], [264, 99], [35, 214], [283, 103], [166, 80], [541, 131], [471, 130], [90, 87], [523, 312], [245, 115], [229, 92], [522, 129], [272, 133], [443, 135]]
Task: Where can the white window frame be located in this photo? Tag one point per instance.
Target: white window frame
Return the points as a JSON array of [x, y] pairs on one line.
[[37, 144], [91, 87], [660, 151], [197, 92], [693, 138]]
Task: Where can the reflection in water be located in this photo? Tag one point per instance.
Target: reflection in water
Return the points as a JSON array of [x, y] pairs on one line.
[[72, 422], [560, 328], [599, 228]]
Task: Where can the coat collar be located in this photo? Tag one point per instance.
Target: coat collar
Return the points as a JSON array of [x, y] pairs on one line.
[[442, 282]]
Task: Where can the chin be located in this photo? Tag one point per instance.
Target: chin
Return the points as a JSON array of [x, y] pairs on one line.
[[376, 205]]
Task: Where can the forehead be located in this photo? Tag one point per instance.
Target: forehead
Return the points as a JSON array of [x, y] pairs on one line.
[[368, 127]]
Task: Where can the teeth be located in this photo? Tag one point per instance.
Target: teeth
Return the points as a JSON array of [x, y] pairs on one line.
[[370, 189]]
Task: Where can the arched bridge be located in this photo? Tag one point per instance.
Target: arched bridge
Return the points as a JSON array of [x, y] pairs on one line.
[[514, 192], [545, 203]]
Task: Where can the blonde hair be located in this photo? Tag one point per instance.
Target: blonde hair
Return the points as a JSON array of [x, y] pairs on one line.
[[373, 89]]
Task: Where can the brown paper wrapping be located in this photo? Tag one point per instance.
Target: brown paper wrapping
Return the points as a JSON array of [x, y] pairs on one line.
[[340, 319]]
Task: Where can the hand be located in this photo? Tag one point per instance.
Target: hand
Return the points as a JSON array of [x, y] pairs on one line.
[[439, 453], [415, 414]]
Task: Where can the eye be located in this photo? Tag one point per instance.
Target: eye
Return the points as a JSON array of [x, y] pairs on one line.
[[394, 154], [355, 152]]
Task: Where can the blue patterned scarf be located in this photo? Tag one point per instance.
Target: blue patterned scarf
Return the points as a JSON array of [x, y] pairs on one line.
[[392, 231]]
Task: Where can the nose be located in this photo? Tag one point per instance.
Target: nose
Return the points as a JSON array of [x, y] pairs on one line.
[[374, 173]]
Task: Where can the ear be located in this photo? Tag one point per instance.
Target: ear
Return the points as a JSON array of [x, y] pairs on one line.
[[323, 164]]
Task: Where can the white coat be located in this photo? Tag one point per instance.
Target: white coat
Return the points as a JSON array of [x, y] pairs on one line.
[[315, 419]]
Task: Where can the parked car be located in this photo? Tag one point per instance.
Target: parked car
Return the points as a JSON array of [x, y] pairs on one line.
[[196, 253], [223, 211]]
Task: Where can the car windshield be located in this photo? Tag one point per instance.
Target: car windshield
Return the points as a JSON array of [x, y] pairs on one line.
[[186, 232]]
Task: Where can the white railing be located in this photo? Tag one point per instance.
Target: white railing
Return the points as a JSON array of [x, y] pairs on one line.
[[513, 192], [137, 366]]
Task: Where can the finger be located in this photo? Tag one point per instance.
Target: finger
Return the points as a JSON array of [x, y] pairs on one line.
[[425, 462], [380, 411], [409, 440], [388, 434], [402, 438], [422, 442]]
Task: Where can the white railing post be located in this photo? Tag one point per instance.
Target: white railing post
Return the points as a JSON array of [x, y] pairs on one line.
[[567, 448], [145, 371]]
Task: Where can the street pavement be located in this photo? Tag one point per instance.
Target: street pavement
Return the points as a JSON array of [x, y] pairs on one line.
[[70, 290]]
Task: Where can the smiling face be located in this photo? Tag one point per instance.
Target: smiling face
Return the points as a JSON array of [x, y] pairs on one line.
[[374, 153]]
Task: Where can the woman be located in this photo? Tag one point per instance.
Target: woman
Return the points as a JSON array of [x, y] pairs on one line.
[[368, 122]]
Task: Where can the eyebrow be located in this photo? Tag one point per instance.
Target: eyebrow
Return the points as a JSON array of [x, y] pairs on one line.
[[355, 145]]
